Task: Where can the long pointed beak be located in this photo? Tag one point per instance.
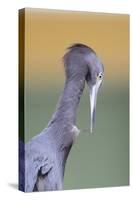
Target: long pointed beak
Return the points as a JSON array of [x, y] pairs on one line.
[[93, 101]]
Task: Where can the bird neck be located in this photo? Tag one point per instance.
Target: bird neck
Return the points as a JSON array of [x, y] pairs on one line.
[[64, 119], [68, 102]]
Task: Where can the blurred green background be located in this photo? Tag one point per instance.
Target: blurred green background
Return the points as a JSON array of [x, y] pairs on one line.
[[100, 159]]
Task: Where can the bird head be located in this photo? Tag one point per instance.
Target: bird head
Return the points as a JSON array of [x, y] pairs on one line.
[[81, 62], [94, 80]]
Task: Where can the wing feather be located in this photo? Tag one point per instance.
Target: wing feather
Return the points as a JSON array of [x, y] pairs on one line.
[[37, 161]]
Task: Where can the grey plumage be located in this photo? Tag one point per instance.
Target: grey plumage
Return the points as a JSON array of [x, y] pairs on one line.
[[46, 153]]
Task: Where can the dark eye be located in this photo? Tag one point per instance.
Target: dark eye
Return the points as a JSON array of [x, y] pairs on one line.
[[100, 76]]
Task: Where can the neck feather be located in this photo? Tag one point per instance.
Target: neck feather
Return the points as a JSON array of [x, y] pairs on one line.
[[68, 102]]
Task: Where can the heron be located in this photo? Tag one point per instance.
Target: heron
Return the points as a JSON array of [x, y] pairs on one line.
[[47, 152]]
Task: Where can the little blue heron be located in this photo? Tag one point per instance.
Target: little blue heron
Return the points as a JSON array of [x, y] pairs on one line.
[[46, 153]]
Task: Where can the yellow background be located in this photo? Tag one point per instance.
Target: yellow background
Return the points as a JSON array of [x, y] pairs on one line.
[[50, 33]]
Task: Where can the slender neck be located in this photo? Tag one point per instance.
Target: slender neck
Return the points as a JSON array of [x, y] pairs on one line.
[[65, 117], [68, 102]]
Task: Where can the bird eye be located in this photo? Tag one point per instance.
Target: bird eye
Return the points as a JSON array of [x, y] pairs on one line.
[[100, 76]]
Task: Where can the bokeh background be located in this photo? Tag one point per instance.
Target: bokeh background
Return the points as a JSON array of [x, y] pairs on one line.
[[100, 159]]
